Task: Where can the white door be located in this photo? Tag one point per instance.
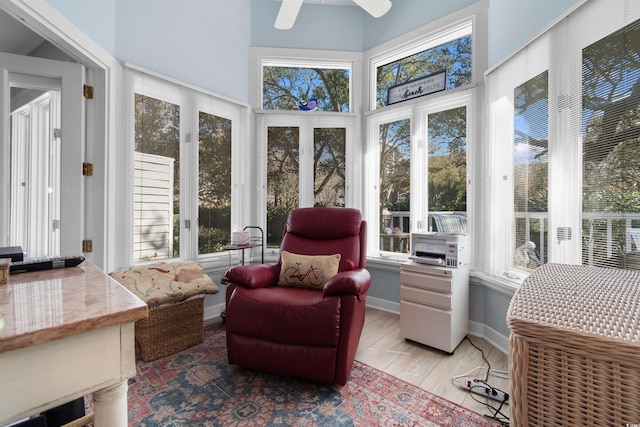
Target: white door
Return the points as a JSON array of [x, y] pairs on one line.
[[50, 161]]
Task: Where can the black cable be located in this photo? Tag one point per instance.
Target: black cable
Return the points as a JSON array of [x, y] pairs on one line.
[[502, 418], [486, 376], [496, 413]]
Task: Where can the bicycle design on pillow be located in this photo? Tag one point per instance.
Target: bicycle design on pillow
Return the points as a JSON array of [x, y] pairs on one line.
[[293, 276]]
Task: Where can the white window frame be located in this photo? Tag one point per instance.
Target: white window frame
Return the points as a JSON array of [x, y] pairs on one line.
[[372, 176], [191, 101], [415, 45], [500, 153], [260, 57], [307, 148], [419, 169], [418, 114], [471, 20], [306, 121], [570, 34]]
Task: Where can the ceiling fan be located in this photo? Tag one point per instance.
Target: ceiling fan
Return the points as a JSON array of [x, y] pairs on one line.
[[290, 8]]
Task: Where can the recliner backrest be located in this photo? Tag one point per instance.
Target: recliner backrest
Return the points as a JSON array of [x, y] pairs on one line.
[[327, 231]]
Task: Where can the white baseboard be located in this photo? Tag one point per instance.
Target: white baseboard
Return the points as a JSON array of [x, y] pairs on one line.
[[492, 336], [476, 329], [212, 313], [383, 304]]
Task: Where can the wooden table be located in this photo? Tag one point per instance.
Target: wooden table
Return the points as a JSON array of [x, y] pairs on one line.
[[64, 334], [243, 248]]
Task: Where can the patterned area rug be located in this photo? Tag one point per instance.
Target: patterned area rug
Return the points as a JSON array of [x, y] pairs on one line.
[[198, 387]]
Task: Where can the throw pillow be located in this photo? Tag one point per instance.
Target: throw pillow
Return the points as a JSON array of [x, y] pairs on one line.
[[307, 271], [165, 282]]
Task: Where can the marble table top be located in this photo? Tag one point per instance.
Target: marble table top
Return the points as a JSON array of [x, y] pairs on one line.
[[43, 306]]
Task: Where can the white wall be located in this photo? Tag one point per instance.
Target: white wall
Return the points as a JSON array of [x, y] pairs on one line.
[[97, 19], [205, 42], [405, 16], [324, 27], [512, 23], [201, 42]]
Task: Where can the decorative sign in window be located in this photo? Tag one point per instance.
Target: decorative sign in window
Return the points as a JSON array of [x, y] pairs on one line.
[[415, 88]]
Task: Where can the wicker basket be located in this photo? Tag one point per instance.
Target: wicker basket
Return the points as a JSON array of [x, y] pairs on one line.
[[574, 350], [170, 329]]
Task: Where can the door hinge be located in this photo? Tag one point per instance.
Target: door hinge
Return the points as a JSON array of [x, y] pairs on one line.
[[87, 246], [87, 169], [187, 224], [87, 91]]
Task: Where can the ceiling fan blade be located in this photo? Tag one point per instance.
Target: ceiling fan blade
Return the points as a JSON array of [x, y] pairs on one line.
[[288, 14], [375, 8]]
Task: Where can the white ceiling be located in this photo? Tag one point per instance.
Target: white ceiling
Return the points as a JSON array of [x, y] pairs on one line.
[[15, 37], [331, 2]]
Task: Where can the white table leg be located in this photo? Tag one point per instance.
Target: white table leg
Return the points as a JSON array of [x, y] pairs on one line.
[[110, 406]]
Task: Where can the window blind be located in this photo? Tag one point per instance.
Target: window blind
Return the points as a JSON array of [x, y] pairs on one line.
[[564, 145]]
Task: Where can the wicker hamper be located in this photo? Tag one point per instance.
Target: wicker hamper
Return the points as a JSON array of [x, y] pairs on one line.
[[174, 292], [574, 349], [170, 329]]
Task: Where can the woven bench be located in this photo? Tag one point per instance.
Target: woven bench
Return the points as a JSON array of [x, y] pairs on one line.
[[174, 292], [574, 349]]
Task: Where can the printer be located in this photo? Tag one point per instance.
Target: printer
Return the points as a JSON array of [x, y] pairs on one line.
[[440, 249]]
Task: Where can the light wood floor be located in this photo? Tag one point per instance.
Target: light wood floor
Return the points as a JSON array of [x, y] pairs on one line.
[[383, 347]]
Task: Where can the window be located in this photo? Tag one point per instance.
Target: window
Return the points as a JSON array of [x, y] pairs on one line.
[[284, 80], [530, 172], [305, 133], [156, 179], [421, 146], [568, 106], [453, 57], [184, 157], [611, 149], [447, 160], [300, 88], [282, 178], [418, 180], [214, 182], [329, 167], [448, 50], [306, 166], [395, 184]]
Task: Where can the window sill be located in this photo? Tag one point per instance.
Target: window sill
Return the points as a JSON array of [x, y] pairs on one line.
[[503, 285], [307, 113], [386, 262]]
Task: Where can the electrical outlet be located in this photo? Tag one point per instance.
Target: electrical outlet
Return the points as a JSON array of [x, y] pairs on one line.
[[483, 389], [564, 233]]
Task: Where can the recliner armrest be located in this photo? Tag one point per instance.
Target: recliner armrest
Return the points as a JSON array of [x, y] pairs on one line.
[[354, 282], [254, 275]]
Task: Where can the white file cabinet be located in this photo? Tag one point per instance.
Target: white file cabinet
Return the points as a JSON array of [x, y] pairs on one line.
[[434, 305]]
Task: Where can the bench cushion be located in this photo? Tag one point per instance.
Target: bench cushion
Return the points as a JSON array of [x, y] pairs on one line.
[[166, 282]]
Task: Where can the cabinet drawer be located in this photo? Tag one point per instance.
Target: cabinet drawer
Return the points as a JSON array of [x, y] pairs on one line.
[[425, 281], [424, 296], [427, 325]]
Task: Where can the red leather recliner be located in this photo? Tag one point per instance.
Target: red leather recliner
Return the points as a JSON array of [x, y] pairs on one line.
[[304, 333]]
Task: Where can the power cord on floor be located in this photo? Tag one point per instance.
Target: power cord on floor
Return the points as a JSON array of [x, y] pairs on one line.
[[481, 387]]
